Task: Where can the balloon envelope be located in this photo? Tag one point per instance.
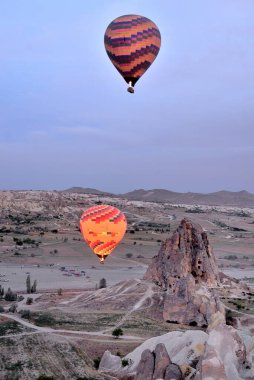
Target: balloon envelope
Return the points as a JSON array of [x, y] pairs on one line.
[[103, 227], [132, 43]]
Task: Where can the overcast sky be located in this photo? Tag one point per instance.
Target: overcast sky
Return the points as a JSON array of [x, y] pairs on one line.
[[66, 118]]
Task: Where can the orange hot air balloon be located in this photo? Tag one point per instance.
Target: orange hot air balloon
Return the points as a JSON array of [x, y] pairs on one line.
[[132, 43], [103, 227]]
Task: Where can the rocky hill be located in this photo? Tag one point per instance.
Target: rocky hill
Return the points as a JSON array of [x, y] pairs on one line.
[[186, 270], [186, 291], [220, 198]]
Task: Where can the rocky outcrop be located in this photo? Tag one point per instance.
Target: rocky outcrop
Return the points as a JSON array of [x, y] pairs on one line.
[[162, 361], [172, 353], [181, 348], [187, 252], [110, 362], [186, 271], [145, 368], [157, 365], [225, 355], [173, 371]]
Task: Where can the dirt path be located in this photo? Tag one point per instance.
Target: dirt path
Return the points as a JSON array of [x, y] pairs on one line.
[[105, 333], [58, 331], [147, 295]]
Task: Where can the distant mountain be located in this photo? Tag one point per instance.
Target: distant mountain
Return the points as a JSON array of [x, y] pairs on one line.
[[220, 198], [82, 190]]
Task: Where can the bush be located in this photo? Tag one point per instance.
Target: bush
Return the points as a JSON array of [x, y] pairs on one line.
[[10, 327], [1, 309], [29, 301], [13, 308], [45, 319], [10, 295], [117, 332], [45, 377], [103, 283], [96, 362], [229, 318], [129, 255], [125, 362], [231, 257], [26, 314]]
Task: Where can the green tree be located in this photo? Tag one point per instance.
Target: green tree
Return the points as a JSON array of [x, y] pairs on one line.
[[103, 283], [96, 362], [28, 284], [117, 332], [10, 295], [33, 288]]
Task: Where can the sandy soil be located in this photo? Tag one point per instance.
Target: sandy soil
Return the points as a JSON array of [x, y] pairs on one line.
[[47, 278]]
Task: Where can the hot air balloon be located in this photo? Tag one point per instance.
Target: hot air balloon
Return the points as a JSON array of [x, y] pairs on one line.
[[103, 227], [132, 43]]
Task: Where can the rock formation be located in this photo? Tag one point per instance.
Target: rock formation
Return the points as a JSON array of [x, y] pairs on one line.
[[187, 252], [162, 361], [186, 270], [225, 355], [157, 365], [186, 278], [109, 361], [145, 368]]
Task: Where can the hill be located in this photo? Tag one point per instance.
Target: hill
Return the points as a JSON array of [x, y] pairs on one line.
[[220, 198], [88, 190]]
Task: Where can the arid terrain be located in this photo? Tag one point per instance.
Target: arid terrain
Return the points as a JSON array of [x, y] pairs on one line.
[[69, 322]]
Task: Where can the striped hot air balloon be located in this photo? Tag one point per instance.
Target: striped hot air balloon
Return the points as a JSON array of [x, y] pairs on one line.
[[103, 227], [132, 43]]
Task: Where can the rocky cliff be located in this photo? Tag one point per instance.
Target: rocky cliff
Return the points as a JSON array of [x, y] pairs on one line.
[[186, 270]]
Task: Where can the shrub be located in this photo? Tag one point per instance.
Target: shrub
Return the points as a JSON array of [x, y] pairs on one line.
[[125, 362], [129, 255], [26, 314], [102, 283], [45, 319], [231, 257], [29, 301], [13, 308], [117, 332], [10, 327], [10, 295], [96, 362]]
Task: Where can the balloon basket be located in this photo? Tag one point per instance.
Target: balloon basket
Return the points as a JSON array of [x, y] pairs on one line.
[[102, 260], [131, 90]]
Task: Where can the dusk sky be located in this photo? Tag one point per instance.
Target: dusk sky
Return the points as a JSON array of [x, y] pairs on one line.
[[67, 120]]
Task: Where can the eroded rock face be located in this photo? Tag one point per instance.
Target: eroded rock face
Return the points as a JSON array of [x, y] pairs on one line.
[[157, 365], [225, 355], [110, 363], [173, 372], [162, 360], [188, 251], [145, 368], [186, 269]]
